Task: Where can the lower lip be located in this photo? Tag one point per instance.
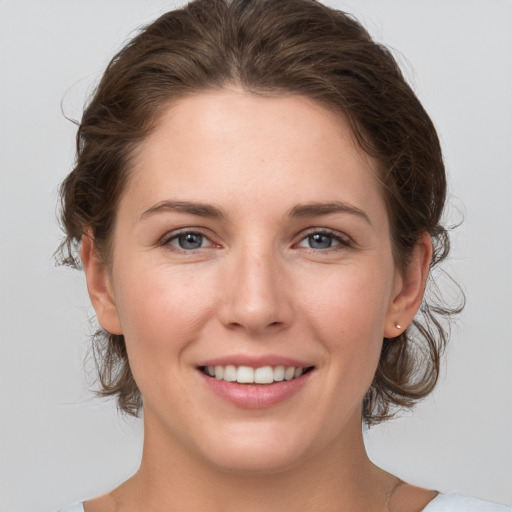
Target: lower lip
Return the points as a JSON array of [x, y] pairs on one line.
[[255, 396]]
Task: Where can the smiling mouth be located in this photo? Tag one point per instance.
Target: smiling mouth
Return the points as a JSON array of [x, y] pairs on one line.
[[249, 375]]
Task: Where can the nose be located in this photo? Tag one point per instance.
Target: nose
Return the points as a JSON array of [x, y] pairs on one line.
[[256, 296]]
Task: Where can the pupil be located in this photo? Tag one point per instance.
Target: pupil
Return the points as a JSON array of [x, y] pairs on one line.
[[319, 241], [190, 241]]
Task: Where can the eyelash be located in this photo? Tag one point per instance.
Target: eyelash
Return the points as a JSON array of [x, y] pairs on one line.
[[342, 242], [166, 241]]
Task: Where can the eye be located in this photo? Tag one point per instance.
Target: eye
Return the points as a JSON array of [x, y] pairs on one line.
[[188, 241], [321, 240]]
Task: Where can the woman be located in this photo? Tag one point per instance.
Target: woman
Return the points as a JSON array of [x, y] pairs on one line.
[[257, 201]]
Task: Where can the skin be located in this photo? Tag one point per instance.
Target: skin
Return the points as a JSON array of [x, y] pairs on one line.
[[257, 285]]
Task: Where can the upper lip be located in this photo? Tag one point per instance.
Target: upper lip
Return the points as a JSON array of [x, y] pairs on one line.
[[255, 361]]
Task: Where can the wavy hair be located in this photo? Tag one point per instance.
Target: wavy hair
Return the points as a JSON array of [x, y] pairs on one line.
[[268, 47]]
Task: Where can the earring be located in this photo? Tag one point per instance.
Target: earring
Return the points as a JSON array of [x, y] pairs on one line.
[[398, 326]]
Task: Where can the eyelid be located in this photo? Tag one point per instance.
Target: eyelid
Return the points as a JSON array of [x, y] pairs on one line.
[[173, 235], [342, 239]]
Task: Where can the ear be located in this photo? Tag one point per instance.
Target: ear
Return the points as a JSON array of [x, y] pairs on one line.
[[409, 288], [99, 286]]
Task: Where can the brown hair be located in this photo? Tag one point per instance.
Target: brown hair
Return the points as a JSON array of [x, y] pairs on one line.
[[268, 47]]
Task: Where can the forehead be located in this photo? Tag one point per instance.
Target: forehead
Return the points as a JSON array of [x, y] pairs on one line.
[[230, 144]]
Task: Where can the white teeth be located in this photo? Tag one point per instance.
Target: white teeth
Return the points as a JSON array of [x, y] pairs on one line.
[[245, 375], [288, 374], [264, 375], [230, 373], [279, 373], [248, 375]]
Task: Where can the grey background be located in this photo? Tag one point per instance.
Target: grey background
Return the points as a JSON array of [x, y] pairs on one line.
[[57, 443]]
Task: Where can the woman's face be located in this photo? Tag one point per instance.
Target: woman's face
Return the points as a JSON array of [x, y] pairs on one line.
[[253, 233]]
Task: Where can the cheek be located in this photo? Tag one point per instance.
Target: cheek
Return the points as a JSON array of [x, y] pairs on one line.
[[349, 315], [350, 300], [161, 310]]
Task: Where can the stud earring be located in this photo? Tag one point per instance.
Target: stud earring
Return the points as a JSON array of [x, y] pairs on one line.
[[398, 326]]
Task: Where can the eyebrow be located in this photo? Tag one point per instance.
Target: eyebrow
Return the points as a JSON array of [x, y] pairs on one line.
[[213, 212], [317, 209], [192, 208]]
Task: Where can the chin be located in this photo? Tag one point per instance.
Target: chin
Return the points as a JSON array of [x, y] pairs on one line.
[[257, 449]]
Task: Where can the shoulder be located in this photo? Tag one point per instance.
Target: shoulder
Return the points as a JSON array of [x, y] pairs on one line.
[[77, 507], [458, 503]]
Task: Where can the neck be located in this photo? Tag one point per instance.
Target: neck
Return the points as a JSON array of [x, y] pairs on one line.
[[339, 477]]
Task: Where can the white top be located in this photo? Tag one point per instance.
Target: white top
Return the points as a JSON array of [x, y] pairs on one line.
[[441, 503], [458, 503]]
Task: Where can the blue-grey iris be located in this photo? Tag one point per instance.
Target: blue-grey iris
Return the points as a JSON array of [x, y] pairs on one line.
[[190, 241], [320, 241]]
